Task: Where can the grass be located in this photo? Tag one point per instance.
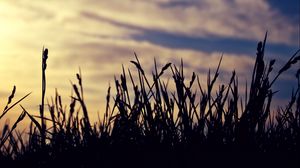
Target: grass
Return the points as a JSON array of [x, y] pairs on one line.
[[147, 124]]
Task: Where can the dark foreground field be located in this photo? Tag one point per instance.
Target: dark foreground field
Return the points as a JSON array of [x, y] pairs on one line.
[[146, 124]]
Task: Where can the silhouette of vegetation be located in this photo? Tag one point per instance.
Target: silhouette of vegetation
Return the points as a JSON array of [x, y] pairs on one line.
[[150, 125]]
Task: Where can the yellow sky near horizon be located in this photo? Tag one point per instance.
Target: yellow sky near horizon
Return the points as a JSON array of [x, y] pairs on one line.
[[100, 36]]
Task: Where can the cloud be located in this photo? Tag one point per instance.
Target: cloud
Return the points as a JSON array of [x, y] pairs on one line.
[[231, 19], [100, 36]]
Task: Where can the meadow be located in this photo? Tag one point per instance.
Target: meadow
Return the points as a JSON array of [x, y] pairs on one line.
[[147, 124]]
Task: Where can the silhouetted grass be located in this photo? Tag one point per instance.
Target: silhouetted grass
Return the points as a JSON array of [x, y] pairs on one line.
[[146, 124]]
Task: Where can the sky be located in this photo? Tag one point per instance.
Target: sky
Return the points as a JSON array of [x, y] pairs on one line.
[[101, 36]]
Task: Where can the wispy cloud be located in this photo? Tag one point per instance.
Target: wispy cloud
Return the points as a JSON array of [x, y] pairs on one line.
[[236, 19]]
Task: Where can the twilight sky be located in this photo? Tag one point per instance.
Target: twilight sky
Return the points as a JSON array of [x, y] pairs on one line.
[[100, 36]]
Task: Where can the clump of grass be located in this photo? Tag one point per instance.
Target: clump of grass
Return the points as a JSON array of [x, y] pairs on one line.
[[8, 143], [145, 119]]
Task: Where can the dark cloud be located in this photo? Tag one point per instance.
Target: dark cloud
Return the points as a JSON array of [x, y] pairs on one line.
[[178, 3], [291, 8], [209, 44], [100, 18]]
